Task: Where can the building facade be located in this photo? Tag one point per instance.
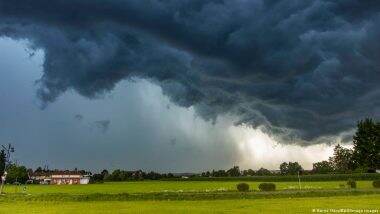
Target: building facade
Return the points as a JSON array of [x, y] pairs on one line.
[[61, 177], [65, 178]]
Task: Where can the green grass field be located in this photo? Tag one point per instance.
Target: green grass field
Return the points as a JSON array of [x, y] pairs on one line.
[[296, 205], [188, 197], [163, 186]]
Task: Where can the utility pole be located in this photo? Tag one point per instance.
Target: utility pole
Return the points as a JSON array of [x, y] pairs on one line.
[[299, 179], [8, 150]]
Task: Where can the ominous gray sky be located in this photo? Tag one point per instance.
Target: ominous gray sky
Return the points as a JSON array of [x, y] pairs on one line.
[[133, 127], [160, 84], [144, 129]]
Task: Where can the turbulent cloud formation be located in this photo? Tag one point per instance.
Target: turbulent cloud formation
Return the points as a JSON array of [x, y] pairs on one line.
[[303, 69]]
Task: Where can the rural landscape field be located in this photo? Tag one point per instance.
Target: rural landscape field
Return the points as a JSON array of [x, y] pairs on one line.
[[189, 106], [190, 196]]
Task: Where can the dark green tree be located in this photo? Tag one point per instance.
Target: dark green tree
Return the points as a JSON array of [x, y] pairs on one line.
[[263, 171], [323, 167], [367, 144], [219, 173], [96, 178], [284, 168], [2, 161], [104, 173], [17, 174], [343, 159], [294, 168], [291, 168], [39, 170], [248, 172], [234, 171]]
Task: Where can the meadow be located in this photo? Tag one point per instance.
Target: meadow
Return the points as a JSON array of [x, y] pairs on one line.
[[188, 197], [172, 186]]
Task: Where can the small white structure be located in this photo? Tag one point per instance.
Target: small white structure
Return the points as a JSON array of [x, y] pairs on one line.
[[46, 181], [85, 179]]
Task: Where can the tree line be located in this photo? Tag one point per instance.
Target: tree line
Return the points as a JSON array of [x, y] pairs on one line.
[[123, 175], [363, 157]]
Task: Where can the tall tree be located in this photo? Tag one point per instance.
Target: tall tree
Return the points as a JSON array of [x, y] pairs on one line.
[[17, 174], [263, 171], [291, 168], [248, 172], [323, 167], [2, 161], [234, 171], [104, 173], [342, 159], [284, 168], [367, 144]]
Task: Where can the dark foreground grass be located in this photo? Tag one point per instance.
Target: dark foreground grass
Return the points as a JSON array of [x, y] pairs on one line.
[[186, 196]]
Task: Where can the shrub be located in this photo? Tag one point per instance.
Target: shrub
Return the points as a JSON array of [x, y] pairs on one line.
[[351, 183], [376, 183], [267, 187], [242, 187]]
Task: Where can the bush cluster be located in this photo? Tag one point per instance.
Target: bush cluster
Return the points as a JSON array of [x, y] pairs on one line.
[[351, 183], [376, 183], [242, 187], [267, 187]]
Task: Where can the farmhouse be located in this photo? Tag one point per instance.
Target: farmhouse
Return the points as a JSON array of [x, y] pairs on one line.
[[69, 177], [40, 177], [61, 177]]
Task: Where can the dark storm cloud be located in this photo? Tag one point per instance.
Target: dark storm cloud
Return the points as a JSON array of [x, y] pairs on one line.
[[303, 69]]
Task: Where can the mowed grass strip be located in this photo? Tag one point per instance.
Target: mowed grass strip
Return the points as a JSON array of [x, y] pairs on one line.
[[185, 196], [170, 186], [283, 205]]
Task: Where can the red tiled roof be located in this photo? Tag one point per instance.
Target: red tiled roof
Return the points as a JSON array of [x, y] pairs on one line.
[[67, 173], [57, 172]]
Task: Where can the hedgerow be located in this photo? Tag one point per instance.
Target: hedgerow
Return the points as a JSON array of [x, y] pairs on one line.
[[267, 187]]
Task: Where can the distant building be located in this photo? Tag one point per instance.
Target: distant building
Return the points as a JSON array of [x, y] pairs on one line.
[[60, 177], [85, 179], [40, 177]]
